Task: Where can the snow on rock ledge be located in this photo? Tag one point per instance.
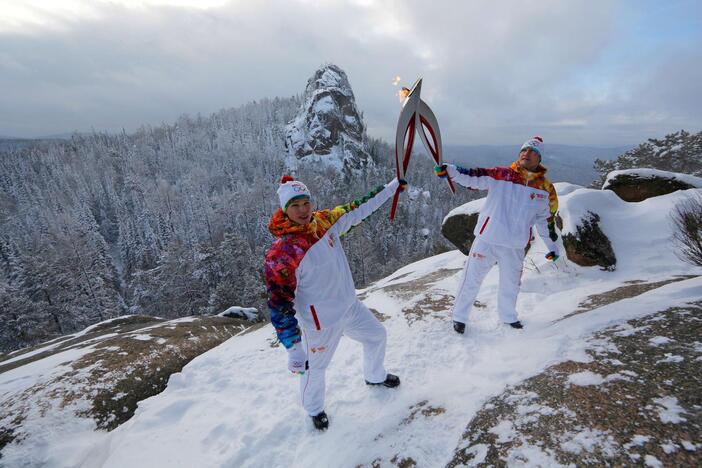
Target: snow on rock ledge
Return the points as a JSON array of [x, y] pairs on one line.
[[635, 185], [587, 245], [246, 313], [634, 230]]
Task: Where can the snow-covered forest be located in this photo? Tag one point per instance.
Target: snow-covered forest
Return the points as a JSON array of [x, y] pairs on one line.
[[677, 152], [172, 220]]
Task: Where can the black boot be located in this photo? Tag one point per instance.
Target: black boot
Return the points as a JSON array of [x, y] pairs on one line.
[[460, 327], [391, 381], [321, 421], [518, 325]]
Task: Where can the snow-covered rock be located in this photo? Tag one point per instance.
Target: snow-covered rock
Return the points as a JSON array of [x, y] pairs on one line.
[[247, 313], [625, 225], [328, 129], [588, 245], [459, 223], [635, 185]]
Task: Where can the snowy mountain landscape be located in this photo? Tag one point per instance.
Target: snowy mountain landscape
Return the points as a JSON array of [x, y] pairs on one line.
[[233, 234], [157, 354], [606, 372]]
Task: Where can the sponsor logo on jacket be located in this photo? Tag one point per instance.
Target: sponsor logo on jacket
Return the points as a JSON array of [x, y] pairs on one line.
[[540, 196]]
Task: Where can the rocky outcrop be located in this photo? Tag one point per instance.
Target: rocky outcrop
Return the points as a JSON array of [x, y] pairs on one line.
[[634, 402], [329, 128], [589, 246], [458, 229], [635, 185], [459, 224]]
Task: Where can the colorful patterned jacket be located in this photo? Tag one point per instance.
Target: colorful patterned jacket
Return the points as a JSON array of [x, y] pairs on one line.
[[517, 199], [307, 274]]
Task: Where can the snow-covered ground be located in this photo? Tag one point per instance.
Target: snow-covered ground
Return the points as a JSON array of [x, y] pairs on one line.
[[237, 405]]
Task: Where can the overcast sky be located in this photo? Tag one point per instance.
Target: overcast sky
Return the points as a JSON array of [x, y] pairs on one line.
[[495, 72]]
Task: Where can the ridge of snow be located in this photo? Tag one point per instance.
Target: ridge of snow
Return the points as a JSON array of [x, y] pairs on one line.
[[473, 206], [646, 173], [639, 232], [53, 344]]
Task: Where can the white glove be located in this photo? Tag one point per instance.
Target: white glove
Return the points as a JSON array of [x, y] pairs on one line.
[[297, 359]]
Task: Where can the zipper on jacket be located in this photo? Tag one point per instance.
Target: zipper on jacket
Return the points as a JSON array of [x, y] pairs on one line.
[[314, 317], [484, 225]]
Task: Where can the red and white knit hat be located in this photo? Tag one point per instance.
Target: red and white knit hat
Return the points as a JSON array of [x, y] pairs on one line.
[[291, 189], [536, 143]]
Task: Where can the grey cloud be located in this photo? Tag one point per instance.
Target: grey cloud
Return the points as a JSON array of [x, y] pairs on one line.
[[494, 72]]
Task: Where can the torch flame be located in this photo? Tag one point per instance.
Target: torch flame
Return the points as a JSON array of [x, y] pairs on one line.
[[403, 93]]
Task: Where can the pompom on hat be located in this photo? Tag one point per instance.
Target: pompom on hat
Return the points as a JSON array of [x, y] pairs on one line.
[[291, 189], [536, 143]]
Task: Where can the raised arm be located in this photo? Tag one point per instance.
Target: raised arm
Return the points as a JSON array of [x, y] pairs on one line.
[[360, 209], [477, 178]]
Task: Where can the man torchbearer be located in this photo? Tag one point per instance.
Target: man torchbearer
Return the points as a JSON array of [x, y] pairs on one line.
[[519, 197]]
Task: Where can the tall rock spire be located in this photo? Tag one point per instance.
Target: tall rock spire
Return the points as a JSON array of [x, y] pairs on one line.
[[328, 128]]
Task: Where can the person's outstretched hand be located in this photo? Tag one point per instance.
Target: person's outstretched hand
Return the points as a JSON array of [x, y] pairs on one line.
[[441, 171]]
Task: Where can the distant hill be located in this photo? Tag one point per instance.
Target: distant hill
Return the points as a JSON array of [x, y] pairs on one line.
[[565, 163], [12, 143], [8, 144]]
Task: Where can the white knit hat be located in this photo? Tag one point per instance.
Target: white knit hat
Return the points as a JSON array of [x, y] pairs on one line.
[[291, 189], [536, 143]]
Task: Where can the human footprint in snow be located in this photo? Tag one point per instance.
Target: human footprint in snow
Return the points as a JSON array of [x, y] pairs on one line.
[[519, 196], [311, 295]]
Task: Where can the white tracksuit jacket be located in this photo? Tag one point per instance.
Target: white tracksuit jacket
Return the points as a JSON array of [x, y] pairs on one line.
[[325, 289], [516, 200]]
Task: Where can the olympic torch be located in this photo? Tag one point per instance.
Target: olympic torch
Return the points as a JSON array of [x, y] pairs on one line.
[[417, 116]]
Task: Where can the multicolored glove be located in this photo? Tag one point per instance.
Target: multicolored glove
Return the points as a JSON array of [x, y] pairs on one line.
[[297, 359], [441, 171], [552, 256], [403, 185]]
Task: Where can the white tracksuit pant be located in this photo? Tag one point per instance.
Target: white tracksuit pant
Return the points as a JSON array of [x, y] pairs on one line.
[[482, 257], [359, 324]]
